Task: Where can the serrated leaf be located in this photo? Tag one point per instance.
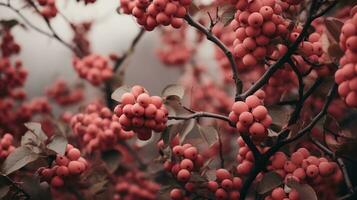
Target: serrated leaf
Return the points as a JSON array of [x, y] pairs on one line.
[[116, 95], [228, 15], [186, 129], [305, 191], [173, 90], [209, 134], [37, 130], [98, 187], [30, 139], [58, 144], [36, 189], [19, 158], [333, 27], [9, 23], [269, 181], [111, 159]]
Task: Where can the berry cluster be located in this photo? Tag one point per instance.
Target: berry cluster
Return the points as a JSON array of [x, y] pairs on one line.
[[245, 157], [97, 128], [303, 167], [225, 186], [151, 14], [63, 95], [186, 161], [142, 113], [346, 76], [94, 68], [67, 167], [174, 51], [80, 38], [12, 76], [251, 116], [279, 193], [6, 145], [258, 23], [49, 9], [134, 185], [8, 44]]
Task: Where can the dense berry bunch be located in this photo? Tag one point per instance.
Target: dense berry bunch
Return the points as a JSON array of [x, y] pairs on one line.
[[245, 158], [151, 14], [225, 186], [98, 128], [12, 76], [258, 23], [175, 50], [251, 116], [142, 113], [280, 193], [346, 76], [63, 95], [8, 44], [321, 174], [66, 167], [6, 145], [48, 9], [80, 37], [94, 68], [185, 162], [134, 185]]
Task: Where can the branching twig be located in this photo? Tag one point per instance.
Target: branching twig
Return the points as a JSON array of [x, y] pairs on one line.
[[202, 114], [219, 43]]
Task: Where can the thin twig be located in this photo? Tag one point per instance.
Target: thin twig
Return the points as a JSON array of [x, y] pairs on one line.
[[223, 47]]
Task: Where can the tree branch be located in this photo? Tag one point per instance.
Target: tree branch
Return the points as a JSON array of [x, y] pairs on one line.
[[203, 114], [219, 43]]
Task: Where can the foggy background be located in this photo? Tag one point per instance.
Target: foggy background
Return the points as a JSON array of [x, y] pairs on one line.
[[46, 59]]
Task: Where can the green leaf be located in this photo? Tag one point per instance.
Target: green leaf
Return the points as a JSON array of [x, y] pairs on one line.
[[333, 27], [173, 90], [209, 134], [111, 159], [37, 130], [228, 15], [58, 144], [98, 187], [36, 189], [116, 95], [30, 139], [186, 129], [305, 191], [19, 158], [269, 181]]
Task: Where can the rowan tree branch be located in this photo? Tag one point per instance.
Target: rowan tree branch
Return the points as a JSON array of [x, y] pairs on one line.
[[223, 47]]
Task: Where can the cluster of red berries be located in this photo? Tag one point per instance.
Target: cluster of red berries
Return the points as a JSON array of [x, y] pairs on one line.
[[186, 161], [346, 76], [94, 68], [12, 76], [151, 14], [257, 24], [141, 113], [80, 38], [251, 116], [279, 193], [63, 95], [6, 145], [306, 168], [13, 115], [226, 186], [49, 9], [245, 157], [98, 128], [8, 44], [67, 167], [175, 50], [135, 185]]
